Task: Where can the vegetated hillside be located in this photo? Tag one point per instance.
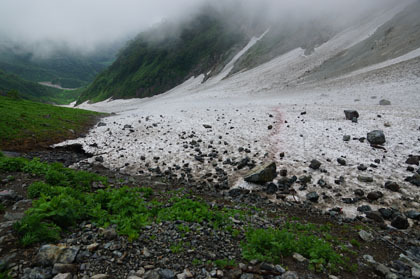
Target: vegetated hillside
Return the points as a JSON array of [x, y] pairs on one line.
[[35, 92], [26, 125], [397, 37], [164, 57], [60, 66]]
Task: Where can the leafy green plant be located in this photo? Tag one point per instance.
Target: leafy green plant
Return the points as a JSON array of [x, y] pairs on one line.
[[177, 248], [2, 208], [11, 164], [223, 263], [270, 245]]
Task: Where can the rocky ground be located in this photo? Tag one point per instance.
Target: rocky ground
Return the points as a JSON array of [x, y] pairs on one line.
[[164, 250]]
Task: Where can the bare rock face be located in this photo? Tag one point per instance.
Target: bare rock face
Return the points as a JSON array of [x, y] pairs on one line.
[[262, 174]]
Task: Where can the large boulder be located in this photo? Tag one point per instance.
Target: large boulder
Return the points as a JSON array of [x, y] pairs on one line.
[[262, 174], [376, 137], [49, 254]]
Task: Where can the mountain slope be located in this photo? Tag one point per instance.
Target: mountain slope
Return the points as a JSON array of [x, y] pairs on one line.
[[60, 65], [151, 65], [33, 91]]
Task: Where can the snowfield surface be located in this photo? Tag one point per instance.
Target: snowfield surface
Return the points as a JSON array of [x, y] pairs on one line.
[[306, 122]]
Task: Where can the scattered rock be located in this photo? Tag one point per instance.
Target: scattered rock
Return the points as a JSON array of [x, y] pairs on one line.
[[51, 254], [262, 174], [415, 179], [207, 126], [350, 114], [413, 160], [341, 161], [299, 257], [376, 195], [166, 274], [376, 137], [99, 276], [315, 164], [366, 179], [312, 196], [346, 138], [63, 276], [384, 102], [375, 215], [290, 275], [366, 236], [364, 208], [412, 214], [392, 186], [400, 223]]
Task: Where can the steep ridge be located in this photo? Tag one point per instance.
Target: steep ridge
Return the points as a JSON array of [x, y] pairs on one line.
[[153, 64]]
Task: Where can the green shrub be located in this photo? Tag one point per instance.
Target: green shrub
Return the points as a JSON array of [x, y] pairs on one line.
[[12, 164], [188, 210], [271, 245], [222, 264], [33, 229], [36, 167]]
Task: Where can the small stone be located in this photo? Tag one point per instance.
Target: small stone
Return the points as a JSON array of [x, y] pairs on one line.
[[63, 276], [262, 174], [359, 192], [99, 276], [415, 272], [315, 164], [290, 275], [413, 160], [384, 102], [299, 257], [247, 276], [375, 215], [93, 247], [376, 137], [350, 114], [373, 196], [166, 274], [392, 186], [64, 268], [312, 196], [412, 214], [366, 179], [206, 126], [109, 233], [366, 236], [362, 167], [400, 223], [382, 269], [364, 208], [346, 138], [341, 161], [369, 259]]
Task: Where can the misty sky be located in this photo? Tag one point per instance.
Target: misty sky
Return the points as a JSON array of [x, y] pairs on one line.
[[88, 23], [84, 22]]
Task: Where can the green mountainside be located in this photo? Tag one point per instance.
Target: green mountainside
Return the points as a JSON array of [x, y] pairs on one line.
[[164, 57], [35, 92], [63, 67]]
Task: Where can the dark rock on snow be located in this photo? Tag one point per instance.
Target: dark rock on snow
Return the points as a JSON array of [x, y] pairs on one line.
[[262, 174], [350, 114], [376, 137]]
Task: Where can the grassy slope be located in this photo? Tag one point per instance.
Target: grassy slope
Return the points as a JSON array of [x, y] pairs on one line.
[[24, 124], [36, 92], [150, 65]]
